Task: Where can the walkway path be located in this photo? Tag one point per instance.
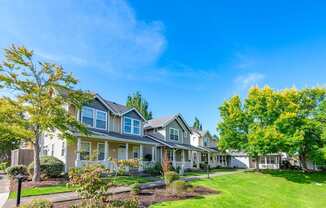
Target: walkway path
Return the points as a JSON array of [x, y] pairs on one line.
[[69, 196], [4, 189]]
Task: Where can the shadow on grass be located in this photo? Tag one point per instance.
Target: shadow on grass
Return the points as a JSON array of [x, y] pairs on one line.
[[298, 176]]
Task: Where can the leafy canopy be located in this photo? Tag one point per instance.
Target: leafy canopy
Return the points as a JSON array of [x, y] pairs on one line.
[[136, 100], [269, 121], [41, 91]]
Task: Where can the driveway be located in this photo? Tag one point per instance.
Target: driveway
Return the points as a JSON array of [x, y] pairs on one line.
[[4, 189]]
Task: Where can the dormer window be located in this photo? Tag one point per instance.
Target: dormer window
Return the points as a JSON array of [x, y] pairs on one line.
[[131, 126], [205, 142], [94, 118], [174, 134]]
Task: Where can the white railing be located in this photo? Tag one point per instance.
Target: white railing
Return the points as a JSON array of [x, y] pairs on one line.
[[184, 165], [107, 164], [269, 166]]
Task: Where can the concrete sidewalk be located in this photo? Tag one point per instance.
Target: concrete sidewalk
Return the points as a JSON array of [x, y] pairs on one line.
[[4, 189], [70, 196]]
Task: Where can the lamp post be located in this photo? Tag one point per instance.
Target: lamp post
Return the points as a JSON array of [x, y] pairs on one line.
[[20, 177], [207, 170]]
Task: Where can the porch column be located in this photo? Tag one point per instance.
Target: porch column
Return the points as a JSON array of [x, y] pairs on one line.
[[183, 160], [191, 159], [153, 153], [208, 158], [78, 148], [141, 158], [127, 155], [174, 162], [198, 159], [106, 150], [127, 151], [265, 161], [77, 162]]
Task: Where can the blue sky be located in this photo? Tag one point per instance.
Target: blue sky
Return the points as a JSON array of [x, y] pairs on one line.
[[184, 56]]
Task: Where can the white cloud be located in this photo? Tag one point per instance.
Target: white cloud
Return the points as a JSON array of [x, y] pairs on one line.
[[243, 82], [97, 34]]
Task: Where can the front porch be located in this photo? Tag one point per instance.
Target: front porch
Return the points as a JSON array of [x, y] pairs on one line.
[[180, 158], [106, 152]]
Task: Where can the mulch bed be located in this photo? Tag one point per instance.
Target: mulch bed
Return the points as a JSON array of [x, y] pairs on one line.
[[29, 184], [150, 196]]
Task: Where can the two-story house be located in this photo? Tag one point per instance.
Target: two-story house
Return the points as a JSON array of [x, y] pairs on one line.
[[115, 132], [173, 133], [207, 145]]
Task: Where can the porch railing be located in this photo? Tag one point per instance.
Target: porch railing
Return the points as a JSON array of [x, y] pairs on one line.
[[269, 166]]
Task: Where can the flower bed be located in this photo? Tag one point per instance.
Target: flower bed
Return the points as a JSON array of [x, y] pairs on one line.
[[151, 196]]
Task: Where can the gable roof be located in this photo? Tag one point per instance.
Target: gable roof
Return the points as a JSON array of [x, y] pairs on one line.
[[164, 121], [116, 108], [201, 132]]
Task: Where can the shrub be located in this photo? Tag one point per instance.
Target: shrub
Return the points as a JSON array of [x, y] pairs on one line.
[[154, 170], [3, 166], [89, 182], [17, 169], [135, 188], [170, 176], [180, 186], [51, 167], [38, 203]]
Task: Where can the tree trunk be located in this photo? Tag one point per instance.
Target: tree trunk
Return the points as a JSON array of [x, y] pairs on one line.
[[37, 168], [257, 163]]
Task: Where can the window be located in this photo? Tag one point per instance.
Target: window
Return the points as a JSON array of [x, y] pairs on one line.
[[174, 134], [131, 126], [63, 149], [127, 125], [136, 127], [101, 151], [85, 150], [87, 116], [205, 142], [94, 118], [100, 120]]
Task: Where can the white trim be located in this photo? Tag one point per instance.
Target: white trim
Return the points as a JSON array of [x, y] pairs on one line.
[[159, 141], [131, 109], [175, 118], [94, 112], [98, 151], [171, 128], [112, 138], [132, 120], [105, 104]]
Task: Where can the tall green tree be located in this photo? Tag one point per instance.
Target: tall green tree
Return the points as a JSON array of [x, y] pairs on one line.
[[303, 123], [249, 126], [42, 90], [270, 121], [136, 100], [197, 125]]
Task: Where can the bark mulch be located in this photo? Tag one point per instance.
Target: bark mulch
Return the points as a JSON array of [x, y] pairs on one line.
[[151, 196], [29, 184]]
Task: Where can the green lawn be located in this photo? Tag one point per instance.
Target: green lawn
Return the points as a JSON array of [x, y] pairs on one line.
[[120, 180], [273, 189], [203, 172]]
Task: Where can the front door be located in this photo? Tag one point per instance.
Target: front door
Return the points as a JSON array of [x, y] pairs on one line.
[[121, 153]]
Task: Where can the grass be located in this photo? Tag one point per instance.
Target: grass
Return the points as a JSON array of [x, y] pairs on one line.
[[270, 189], [61, 188], [203, 172]]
